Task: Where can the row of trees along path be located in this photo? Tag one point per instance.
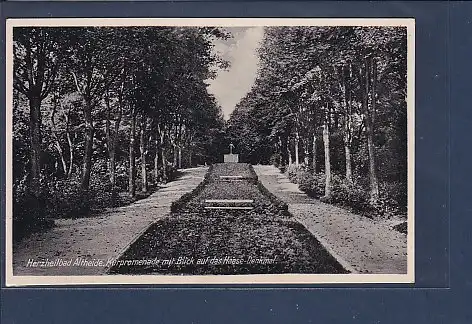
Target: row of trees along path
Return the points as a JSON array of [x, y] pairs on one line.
[[85, 97], [343, 86]]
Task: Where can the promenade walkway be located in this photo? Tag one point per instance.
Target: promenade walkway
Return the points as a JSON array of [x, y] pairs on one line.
[[104, 237], [360, 244]]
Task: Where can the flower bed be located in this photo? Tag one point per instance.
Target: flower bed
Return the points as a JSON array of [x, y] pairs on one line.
[[258, 240], [247, 187], [233, 169], [223, 242]]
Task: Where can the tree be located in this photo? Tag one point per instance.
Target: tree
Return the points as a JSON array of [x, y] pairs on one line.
[[37, 55], [92, 71], [349, 82], [103, 90]]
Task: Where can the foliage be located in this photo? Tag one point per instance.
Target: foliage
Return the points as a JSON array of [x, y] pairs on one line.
[[402, 227], [291, 171], [275, 159], [312, 183], [103, 110], [353, 195], [350, 194], [345, 85], [241, 238]]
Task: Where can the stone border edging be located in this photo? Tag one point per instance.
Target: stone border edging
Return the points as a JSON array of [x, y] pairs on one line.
[[346, 265], [176, 205]]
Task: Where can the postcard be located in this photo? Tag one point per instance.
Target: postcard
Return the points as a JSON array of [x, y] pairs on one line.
[[209, 151]]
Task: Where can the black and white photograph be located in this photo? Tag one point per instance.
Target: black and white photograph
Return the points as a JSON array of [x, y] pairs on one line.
[[209, 151]]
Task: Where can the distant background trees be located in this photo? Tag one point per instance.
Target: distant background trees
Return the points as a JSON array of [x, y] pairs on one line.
[[102, 111], [329, 107]]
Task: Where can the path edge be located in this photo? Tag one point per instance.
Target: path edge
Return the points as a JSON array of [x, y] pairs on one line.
[[131, 242], [118, 254], [346, 265]]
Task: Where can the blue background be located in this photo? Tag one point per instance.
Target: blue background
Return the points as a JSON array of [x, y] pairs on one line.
[[443, 191]]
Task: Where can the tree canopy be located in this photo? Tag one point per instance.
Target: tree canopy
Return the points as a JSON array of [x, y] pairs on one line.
[[342, 86], [91, 104]]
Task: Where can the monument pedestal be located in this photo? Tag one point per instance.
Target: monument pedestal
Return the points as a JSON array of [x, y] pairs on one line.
[[234, 158]]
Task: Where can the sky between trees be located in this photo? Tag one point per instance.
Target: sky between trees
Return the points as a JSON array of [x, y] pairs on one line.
[[241, 51]]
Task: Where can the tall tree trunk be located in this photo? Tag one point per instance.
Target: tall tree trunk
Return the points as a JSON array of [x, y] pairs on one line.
[[327, 159], [61, 156], [370, 122], [71, 145], [164, 157], [142, 149], [306, 154], [57, 143], [281, 153], [348, 141], [190, 156], [164, 165], [112, 139], [347, 150], [180, 157], [88, 148], [132, 157], [115, 143], [346, 99], [296, 144], [284, 151], [314, 164], [35, 152], [289, 153], [174, 152], [110, 145], [156, 160], [112, 171]]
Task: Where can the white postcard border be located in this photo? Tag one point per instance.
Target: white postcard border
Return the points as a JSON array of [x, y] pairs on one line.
[[281, 279]]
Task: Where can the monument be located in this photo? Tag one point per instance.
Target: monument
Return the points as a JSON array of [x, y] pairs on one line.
[[234, 158]]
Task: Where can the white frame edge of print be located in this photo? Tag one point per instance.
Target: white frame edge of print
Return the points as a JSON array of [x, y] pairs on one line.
[[283, 279]]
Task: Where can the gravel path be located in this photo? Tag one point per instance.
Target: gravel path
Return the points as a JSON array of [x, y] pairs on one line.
[[103, 237], [360, 244]]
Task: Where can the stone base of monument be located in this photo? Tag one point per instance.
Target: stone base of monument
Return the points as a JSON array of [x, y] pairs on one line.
[[234, 158]]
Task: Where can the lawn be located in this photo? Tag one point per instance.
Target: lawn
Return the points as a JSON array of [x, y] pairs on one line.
[[198, 241]]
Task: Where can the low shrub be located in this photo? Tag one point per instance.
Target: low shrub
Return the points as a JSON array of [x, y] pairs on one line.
[[170, 174], [402, 227], [353, 195], [295, 173], [275, 159], [64, 198], [350, 194], [292, 172], [394, 196], [313, 184], [29, 213], [122, 172], [282, 168], [23, 203], [343, 193]]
